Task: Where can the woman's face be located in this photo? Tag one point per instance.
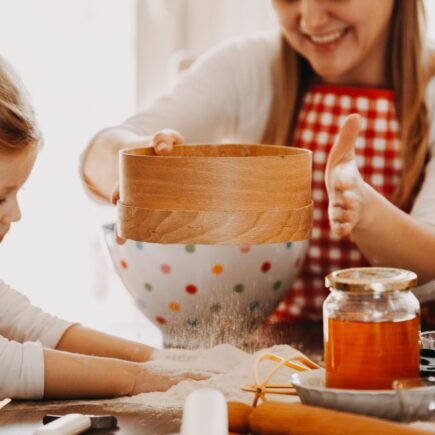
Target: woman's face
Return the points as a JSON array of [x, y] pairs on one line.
[[14, 171], [343, 40]]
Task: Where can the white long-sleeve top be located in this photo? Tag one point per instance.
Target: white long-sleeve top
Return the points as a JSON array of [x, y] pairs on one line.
[[24, 331], [226, 96]]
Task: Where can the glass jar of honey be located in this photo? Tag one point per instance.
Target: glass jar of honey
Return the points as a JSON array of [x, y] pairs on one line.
[[371, 322]]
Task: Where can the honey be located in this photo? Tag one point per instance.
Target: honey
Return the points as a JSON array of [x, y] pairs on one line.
[[371, 322], [371, 355]]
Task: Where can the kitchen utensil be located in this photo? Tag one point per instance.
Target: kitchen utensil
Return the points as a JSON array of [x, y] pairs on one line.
[[427, 354], [4, 402], [205, 408], [215, 194], [312, 390], [274, 418], [203, 295], [262, 387], [69, 424], [427, 340], [97, 421], [417, 398]]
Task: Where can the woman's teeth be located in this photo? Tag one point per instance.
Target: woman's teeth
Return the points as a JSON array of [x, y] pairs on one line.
[[327, 38]]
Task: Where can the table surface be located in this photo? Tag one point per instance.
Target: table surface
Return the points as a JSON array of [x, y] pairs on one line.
[[19, 418]]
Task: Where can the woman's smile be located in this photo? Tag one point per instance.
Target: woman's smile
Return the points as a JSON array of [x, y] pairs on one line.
[[326, 40]]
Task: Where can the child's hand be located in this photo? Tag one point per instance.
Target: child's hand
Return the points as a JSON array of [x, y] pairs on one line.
[[346, 188], [148, 379], [163, 142]]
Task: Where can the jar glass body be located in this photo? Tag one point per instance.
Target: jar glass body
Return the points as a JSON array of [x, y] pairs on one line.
[[371, 338]]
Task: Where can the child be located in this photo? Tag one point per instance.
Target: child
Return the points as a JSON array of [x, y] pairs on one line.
[[373, 192], [41, 355]]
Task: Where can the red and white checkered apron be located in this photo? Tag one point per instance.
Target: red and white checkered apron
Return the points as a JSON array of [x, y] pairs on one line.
[[378, 158]]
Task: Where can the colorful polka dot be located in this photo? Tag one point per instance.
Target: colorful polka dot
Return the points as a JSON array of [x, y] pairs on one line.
[[165, 268], [289, 245], [244, 249], [254, 305], [124, 264], [239, 288], [139, 245], [191, 289], [215, 308], [148, 286], [192, 322], [173, 306], [161, 320], [217, 269], [190, 249], [277, 285], [265, 267]]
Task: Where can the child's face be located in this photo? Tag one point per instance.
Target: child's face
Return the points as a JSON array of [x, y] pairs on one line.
[[343, 40], [14, 171]]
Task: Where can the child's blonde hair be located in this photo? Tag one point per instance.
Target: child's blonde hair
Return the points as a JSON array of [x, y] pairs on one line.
[[408, 72], [18, 127]]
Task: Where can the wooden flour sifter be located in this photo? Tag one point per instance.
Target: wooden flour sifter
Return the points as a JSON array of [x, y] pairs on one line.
[[215, 194]]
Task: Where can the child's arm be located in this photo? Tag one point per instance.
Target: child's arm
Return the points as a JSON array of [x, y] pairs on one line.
[[21, 321], [68, 375], [78, 339], [385, 235]]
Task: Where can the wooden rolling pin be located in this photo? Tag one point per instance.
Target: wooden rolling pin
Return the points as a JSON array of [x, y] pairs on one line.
[[275, 418]]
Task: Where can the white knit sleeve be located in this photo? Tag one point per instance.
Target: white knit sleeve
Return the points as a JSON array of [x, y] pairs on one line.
[[223, 95], [21, 321], [424, 206], [21, 370]]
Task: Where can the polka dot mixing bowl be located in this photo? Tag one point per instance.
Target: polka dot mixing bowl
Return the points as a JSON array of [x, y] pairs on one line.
[[200, 295]]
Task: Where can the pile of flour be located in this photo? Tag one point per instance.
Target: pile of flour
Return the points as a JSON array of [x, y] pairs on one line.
[[228, 368]]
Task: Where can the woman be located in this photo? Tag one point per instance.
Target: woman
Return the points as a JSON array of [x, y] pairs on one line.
[[373, 191]]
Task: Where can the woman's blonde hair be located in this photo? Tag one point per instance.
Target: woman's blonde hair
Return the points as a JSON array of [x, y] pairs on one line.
[[408, 71], [18, 127]]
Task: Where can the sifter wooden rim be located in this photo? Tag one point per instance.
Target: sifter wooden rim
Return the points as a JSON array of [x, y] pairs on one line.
[[216, 178], [228, 150], [215, 194], [205, 227]]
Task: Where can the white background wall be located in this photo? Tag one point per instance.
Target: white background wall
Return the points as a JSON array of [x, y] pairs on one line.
[[77, 58], [430, 9], [79, 61], [189, 24]]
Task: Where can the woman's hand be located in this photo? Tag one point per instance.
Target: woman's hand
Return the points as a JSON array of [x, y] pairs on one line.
[[149, 379], [348, 192], [163, 142]]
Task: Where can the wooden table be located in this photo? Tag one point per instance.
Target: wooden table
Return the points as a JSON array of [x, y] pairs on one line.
[[20, 418]]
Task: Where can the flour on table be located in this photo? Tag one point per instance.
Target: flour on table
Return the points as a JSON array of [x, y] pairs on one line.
[[229, 369]]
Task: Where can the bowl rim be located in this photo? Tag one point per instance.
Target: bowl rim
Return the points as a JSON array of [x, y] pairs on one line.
[[296, 381]]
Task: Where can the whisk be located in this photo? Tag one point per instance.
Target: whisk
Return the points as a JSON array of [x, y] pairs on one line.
[[299, 363]]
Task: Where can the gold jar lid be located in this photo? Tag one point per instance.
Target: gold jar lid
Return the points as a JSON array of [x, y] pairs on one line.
[[371, 279]]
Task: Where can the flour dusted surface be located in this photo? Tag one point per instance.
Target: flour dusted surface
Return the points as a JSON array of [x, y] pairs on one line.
[[229, 368]]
